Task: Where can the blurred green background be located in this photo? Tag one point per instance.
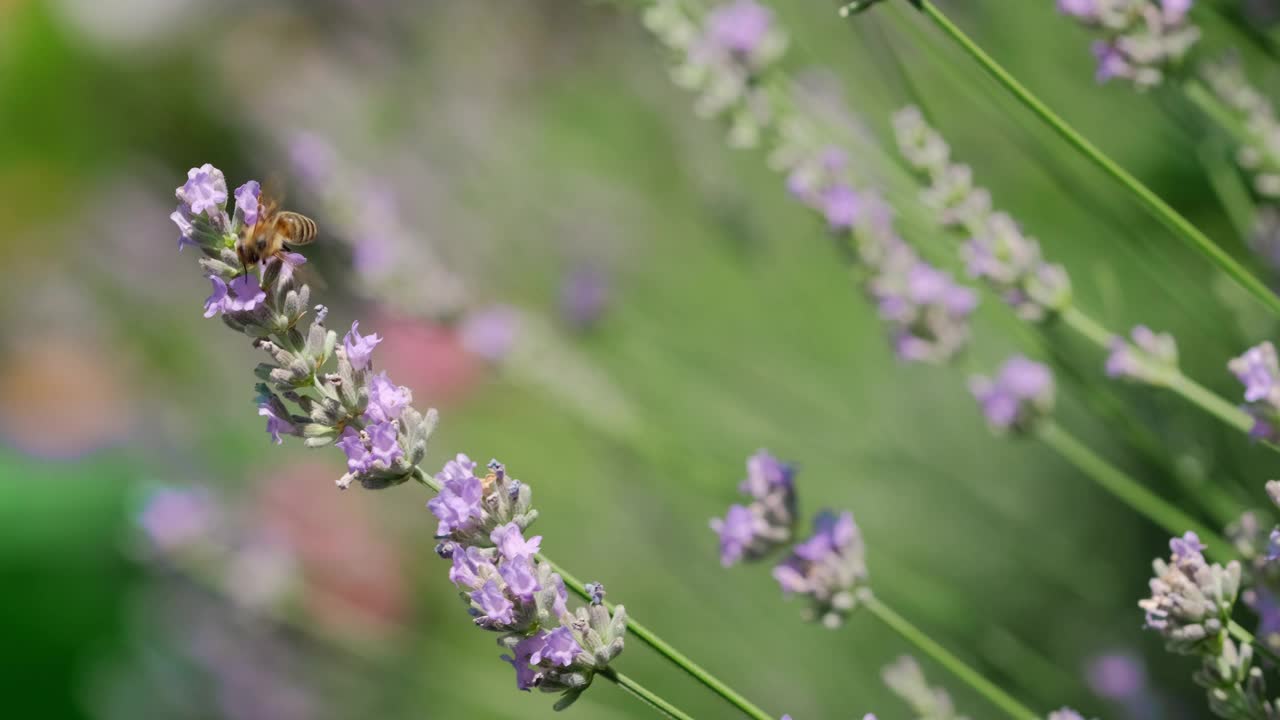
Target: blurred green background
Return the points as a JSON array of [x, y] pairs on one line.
[[508, 148]]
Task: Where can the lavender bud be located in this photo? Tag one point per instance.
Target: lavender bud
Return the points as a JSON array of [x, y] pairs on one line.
[[752, 531], [596, 591], [1151, 358], [1258, 371], [1019, 396], [829, 568]]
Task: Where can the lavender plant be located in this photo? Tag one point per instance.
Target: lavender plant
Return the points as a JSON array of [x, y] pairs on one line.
[[1142, 40], [507, 585]]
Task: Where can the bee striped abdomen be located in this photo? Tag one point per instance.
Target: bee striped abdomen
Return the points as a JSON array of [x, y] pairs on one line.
[[297, 229]]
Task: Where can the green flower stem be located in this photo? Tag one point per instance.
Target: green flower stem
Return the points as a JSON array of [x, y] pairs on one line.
[[1179, 383], [1161, 210], [1128, 490], [945, 658], [645, 635], [645, 695], [1245, 636]]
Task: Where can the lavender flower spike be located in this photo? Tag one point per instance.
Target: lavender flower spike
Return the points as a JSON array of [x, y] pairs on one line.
[[906, 680], [1191, 601], [1258, 370], [829, 568], [751, 531], [1151, 358], [1020, 395], [1139, 40]]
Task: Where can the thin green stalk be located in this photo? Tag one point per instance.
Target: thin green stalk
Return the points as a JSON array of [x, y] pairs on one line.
[[1245, 636], [1128, 490], [644, 694], [1179, 383], [945, 658], [645, 635], [1228, 186], [1161, 210]]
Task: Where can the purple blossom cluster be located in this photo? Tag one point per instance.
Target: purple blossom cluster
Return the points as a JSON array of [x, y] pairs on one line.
[[1141, 40], [365, 414], [753, 530], [721, 58], [1259, 153], [1019, 395], [509, 589], [829, 567], [1191, 600], [997, 251], [482, 520], [1146, 357], [925, 310], [1257, 369]]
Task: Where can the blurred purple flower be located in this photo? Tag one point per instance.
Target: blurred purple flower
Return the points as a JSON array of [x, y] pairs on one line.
[[737, 531], [1175, 11], [1111, 61], [1082, 9], [1021, 391], [218, 301], [496, 609], [358, 458], [1258, 370], [841, 206], [739, 27], [828, 567], [276, 423], [205, 189], [765, 474], [312, 157], [518, 574], [247, 201], [583, 296], [490, 333], [386, 399], [245, 294], [359, 348], [385, 448], [1118, 676], [173, 517]]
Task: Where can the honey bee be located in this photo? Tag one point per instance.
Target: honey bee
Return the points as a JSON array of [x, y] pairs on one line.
[[274, 231]]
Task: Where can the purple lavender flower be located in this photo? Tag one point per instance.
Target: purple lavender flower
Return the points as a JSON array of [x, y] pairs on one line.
[[558, 648], [247, 202], [1175, 11], [175, 517], [359, 348], [471, 568], [384, 443], [1191, 601], [276, 422], [1273, 545], [205, 189], [737, 532], [359, 460], [739, 27], [829, 567], [491, 332], [526, 676], [186, 229], [1081, 9], [840, 205], [386, 399], [766, 474], [583, 297], [218, 301], [1021, 393], [511, 543], [1111, 61], [518, 574], [1187, 549], [1117, 676], [1257, 369], [458, 504], [496, 609], [246, 294]]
